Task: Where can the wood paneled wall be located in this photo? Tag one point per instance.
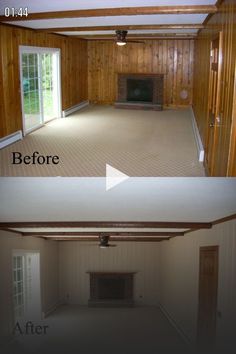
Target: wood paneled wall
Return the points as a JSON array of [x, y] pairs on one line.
[[173, 58], [73, 71], [223, 21]]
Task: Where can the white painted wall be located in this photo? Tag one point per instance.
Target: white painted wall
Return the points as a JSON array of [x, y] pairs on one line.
[[49, 274], [77, 258], [179, 264], [167, 273]]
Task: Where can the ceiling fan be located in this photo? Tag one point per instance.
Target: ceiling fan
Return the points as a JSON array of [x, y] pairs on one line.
[[121, 38], [104, 241]]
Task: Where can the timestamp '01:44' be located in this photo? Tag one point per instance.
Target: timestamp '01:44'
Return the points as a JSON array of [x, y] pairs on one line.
[[14, 12]]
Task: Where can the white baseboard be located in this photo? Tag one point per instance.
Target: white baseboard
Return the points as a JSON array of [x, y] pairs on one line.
[[197, 138], [10, 139], [75, 108], [52, 309], [176, 326]]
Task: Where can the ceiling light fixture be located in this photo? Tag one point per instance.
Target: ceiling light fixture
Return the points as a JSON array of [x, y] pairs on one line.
[[104, 241], [120, 43]]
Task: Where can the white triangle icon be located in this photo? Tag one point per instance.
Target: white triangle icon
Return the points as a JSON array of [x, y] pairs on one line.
[[114, 177]]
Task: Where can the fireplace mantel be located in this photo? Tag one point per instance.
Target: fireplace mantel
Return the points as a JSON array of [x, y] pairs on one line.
[[140, 91], [111, 289]]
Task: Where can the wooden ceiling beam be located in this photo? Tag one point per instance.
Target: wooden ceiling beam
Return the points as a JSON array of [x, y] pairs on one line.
[[226, 218], [112, 239], [96, 234], [123, 11], [13, 231], [137, 36], [107, 224], [209, 16], [127, 28]]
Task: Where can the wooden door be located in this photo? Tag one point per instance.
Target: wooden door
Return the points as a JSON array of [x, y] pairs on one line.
[[207, 302], [214, 102], [231, 172]]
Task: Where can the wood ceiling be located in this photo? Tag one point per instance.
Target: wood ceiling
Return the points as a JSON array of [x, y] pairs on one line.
[[180, 19]]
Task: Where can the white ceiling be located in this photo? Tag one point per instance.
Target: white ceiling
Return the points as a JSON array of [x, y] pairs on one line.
[[114, 20], [137, 199], [61, 5], [88, 33]]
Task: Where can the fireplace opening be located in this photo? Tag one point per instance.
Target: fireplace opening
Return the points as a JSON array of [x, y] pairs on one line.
[[139, 90], [111, 288]]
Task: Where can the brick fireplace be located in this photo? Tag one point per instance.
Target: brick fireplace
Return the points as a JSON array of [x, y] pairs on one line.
[[111, 289], [140, 91]]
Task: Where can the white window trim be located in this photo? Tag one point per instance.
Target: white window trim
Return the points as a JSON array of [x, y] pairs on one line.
[[39, 50], [23, 252]]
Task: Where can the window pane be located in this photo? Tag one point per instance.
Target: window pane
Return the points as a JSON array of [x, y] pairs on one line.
[[19, 275], [19, 262], [20, 299], [19, 287], [32, 59], [24, 59]]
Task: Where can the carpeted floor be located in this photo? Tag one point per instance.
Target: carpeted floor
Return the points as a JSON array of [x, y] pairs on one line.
[[83, 330], [139, 143]]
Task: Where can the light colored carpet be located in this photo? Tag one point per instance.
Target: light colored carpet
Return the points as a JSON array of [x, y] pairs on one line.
[[139, 143], [75, 330]]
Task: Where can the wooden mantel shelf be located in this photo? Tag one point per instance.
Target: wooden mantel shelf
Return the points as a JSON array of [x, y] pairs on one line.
[[111, 273]]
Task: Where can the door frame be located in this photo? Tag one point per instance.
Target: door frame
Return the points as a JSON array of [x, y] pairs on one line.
[[39, 50], [217, 123], [207, 248], [231, 169], [22, 252]]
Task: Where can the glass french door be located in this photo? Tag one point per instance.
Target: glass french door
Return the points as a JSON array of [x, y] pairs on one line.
[[39, 86], [18, 286], [26, 286]]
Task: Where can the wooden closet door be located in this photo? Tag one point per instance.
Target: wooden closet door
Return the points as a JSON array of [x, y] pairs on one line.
[[214, 102], [207, 305]]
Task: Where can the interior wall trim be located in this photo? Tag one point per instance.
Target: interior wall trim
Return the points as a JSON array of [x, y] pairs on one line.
[[52, 308], [75, 108], [177, 327], [197, 137], [10, 139]]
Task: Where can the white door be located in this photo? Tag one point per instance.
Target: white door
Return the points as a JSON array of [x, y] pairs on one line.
[[26, 286]]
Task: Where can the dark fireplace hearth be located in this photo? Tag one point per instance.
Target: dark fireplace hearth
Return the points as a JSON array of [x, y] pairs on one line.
[[111, 289], [140, 91]]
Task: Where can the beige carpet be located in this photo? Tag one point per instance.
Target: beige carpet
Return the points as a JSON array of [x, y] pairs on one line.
[[83, 330], [139, 143]]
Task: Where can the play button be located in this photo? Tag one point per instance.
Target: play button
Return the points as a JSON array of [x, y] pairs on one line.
[[114, 177]]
